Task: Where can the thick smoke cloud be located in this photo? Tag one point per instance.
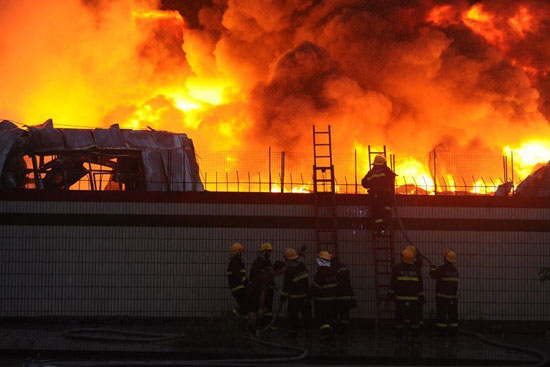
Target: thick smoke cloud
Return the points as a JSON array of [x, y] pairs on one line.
[[411, 75]]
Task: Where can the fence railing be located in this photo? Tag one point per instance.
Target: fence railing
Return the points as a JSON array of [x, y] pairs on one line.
[[287, 172]]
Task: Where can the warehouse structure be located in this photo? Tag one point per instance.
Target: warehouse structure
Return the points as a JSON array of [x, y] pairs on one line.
[[114, 159]]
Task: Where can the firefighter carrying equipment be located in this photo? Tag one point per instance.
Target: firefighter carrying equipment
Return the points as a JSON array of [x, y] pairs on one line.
[[379, 160], [324, 255], [291, 254], [408, 256], [237, 248], [450, 255], [266, 246]]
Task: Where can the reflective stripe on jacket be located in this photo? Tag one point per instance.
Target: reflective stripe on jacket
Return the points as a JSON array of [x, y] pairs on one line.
[[406, 284], [236, 274], [447, 281]]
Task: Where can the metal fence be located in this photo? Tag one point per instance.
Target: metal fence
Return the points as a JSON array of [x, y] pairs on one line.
[[440, 173], [269, 171]]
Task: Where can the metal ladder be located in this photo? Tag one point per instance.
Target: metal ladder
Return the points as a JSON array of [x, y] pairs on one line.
[[383, 254], [324, 186]]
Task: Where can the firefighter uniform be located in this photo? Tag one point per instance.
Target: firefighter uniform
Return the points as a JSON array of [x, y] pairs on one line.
[[419, 261], [236, 276], [323, 290], [345, 297], [262, 262], [406, 288], [446, 294], [380, 183], [256, 293], [296, 289]]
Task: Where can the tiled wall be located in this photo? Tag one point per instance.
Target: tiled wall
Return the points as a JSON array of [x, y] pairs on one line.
[[158, 271]]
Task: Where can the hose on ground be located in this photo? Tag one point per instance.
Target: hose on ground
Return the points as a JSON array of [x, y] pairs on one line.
[[118, 335], [85, 334], [542, 356]]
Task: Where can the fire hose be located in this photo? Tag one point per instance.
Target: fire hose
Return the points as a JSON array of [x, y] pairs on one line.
[[121, 335]]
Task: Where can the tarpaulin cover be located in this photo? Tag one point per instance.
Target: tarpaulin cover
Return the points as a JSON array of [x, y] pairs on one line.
[[110, 138], [78, 138], [9, 133], [168, 159], [45, 138]]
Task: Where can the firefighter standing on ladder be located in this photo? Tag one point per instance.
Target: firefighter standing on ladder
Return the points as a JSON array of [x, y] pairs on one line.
[[446, 293], [380, 183], [236, 275], [263, 261], [406, 288]]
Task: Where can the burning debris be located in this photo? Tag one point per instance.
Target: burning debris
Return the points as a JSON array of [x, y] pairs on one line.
[[44, 157]]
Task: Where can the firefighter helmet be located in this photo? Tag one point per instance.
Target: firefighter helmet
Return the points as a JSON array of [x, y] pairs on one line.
[[237, 248], [413, 249], [450, 255], [379, 160], [407, 256], [291, 254], [266, 246], [324, 255]]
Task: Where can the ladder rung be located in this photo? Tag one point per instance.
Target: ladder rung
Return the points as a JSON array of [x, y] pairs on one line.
[[322, 156], [321, 132], [322, 144]]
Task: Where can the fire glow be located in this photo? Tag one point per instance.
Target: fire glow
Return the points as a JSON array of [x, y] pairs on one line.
[[242, 75]]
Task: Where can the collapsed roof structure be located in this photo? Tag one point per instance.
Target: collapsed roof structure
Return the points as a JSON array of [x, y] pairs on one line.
[[537, 184], [46, 157]]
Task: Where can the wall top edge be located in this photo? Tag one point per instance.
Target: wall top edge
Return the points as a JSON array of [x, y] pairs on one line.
[[268, 198]]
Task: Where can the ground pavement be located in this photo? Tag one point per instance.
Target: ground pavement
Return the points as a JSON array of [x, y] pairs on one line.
[[38, 340]]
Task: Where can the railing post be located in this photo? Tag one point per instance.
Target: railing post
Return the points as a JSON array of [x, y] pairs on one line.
[[269, 163], [355, 164], [435, 174], [282, 172]]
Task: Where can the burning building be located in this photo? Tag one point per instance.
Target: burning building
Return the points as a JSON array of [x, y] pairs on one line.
[[469, 78], [44, 157]]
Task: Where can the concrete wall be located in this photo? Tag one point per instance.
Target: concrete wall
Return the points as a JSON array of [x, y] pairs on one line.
[[166, 255]]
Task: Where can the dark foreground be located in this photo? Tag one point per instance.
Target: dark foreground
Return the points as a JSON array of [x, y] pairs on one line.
[[43, 343]]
